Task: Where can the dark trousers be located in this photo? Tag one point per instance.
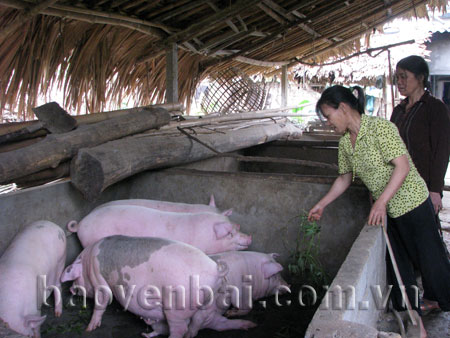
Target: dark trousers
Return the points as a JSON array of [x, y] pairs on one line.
[[416, 243]]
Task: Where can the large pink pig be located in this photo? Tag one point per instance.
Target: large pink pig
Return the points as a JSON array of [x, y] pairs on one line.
[[251, 276], [147, 275], [210, 232], [35, 257], [172, 206]]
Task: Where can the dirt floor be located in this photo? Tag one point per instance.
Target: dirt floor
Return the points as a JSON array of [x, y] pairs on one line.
[[437, 324], [273, 321]]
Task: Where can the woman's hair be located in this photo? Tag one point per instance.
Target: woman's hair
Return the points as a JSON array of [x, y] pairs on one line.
[[416, 65], [335, 95]]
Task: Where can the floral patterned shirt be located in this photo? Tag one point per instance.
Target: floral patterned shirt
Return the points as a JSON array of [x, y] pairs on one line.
[[377, 144]]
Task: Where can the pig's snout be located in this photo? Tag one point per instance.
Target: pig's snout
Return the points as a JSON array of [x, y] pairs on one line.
[[244, 241]]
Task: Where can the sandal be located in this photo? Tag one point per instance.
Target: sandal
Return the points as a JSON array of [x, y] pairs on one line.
[[427, 306]]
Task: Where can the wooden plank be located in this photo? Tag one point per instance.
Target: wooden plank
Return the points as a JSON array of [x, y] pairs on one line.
[[94, 169]]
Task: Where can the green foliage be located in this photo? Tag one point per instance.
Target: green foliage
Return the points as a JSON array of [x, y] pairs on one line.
[[305, 262], [302, 105], [76, 325]]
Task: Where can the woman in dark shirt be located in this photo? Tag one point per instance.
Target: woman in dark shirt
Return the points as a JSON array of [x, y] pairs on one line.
[[424, 125]]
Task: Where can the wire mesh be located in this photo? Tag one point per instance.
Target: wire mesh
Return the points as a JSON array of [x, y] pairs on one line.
[[232, 91]]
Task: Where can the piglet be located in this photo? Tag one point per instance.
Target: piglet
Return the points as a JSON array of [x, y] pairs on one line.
[[171, 206], [34, 260], [210, 232], [157, 279]]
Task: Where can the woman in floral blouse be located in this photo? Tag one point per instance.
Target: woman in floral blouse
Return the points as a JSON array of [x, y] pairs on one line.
[[372, 149]]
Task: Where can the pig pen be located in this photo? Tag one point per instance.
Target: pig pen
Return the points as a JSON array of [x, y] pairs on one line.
[[266, 200]]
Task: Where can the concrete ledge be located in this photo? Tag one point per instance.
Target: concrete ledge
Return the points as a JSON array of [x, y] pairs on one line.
[[356, 292]]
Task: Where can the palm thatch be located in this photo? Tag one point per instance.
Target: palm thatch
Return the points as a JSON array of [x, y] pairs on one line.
[[106, 51]]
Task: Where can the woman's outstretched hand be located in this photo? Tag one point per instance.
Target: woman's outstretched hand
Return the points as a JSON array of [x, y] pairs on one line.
[[377, 214], [315, 213]]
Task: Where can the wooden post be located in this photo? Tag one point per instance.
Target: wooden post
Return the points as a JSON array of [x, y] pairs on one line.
[[172, 74], [391, 78], [284, 86]]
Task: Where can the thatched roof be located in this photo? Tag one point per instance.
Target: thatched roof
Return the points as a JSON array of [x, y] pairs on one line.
[[100, 51]]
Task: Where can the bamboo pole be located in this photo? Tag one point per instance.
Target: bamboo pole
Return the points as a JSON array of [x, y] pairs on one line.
[[391, 79], [93, 17]]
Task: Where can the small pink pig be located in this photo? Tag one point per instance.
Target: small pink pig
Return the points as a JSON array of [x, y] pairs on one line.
[[160, 280], [210, 232], [31, 264], [171, 206]]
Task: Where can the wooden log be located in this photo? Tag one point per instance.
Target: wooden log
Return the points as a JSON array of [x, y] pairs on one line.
[[94, 169], [44, 176], [38, 136], [6, 128], [59, 147]]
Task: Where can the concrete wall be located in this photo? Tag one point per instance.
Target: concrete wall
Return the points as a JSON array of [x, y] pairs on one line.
[[361, 277], [265, 205]]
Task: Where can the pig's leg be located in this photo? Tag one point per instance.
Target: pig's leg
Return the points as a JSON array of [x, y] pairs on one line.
[[220, 323], [178, 327], [236, 312], [159, 328], [96, 319], [58, 300]]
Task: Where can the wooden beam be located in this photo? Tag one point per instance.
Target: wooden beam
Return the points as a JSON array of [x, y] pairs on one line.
[[228, 21], [182, 9], [132, 4], [229, 42], [327, 9], [254, 62], [291, 16], [266, 9], [370, 28], [202, 26], [97, 17]]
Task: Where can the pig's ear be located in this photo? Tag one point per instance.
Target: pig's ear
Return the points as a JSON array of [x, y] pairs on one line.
[[72, 272], [212, 202], [274, 255], [227, 212], [271, 268], [222, 229], [34, 321]]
